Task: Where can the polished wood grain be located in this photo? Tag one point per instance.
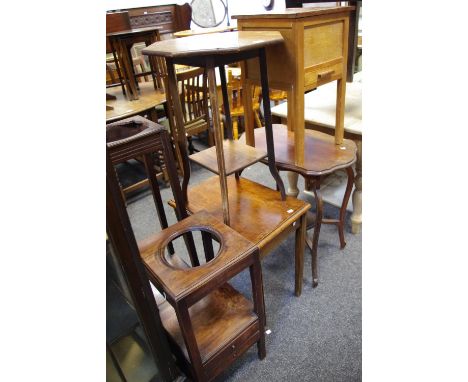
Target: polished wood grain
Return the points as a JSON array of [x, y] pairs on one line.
[[237, 156], [124, 108], [248, 199], [322, 156], [216, 43]]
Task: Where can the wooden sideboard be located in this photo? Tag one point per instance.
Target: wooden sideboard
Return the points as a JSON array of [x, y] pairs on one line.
[[168, 18]]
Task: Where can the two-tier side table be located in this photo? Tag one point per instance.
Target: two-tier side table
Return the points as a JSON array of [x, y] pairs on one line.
[[211, 51]]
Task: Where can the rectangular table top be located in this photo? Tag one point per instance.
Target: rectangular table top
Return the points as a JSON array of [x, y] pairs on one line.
[[213, 44], [295, 13]]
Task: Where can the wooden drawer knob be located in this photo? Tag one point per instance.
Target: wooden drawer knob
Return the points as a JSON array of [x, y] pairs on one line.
[[326, 74]]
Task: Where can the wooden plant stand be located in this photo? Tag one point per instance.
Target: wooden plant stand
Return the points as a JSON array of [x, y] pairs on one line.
[[222, 323]]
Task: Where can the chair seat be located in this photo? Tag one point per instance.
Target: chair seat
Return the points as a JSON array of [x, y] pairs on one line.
[[321, 155], [217, 320], [256, 212]]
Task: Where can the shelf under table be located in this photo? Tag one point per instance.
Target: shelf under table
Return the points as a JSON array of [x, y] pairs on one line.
[[321, 155], [237, 156]]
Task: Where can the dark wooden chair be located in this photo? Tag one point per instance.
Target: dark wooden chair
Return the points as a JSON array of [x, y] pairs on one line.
[[194, 100], [208, 323], [236, 104]]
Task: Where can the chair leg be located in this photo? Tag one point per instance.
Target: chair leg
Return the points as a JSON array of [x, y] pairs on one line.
[[258, 121], [235, 128], [210, 138], [318, 223], [191, 148], [349, 188]]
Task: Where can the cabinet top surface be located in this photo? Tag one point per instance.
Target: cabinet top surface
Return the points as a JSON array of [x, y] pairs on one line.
[[295, 13], [215, 43]]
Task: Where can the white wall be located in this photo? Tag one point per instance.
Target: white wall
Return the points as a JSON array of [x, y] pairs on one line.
[[124, 4]]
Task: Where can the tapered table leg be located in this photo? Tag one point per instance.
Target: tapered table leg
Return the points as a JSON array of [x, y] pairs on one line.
[[356, 217], [292, 180]]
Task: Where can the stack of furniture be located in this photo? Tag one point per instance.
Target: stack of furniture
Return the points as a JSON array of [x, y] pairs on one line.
[[235, 200], [315, 52], [187, 302]]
